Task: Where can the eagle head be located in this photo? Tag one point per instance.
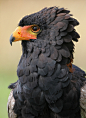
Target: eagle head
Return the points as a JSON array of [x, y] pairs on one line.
[[52, 26]]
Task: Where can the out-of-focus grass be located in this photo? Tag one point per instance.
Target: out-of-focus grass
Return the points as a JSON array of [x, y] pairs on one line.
[[5, 80]]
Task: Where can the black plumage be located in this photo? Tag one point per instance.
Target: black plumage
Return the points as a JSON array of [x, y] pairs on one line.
[[46, 87]]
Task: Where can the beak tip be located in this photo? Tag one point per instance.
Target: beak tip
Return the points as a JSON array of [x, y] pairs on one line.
[[11, 43], [11, 39]]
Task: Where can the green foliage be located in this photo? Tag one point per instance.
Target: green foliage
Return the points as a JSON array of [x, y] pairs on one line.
[[5, 80]]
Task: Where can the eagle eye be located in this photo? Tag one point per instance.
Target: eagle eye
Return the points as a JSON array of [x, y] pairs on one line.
[[35, 28]]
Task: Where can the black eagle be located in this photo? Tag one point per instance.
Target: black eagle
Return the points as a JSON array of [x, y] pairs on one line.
[[49, 85]]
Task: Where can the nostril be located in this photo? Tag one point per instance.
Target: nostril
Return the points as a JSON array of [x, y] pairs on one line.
[[18, 32]]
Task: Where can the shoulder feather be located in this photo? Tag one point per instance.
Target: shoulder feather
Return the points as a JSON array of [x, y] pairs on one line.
[[10, 105]]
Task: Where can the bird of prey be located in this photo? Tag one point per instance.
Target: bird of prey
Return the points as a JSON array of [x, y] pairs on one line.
[[48, 85]]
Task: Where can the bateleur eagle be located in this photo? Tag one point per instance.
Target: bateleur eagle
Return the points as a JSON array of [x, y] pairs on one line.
[[49, 85]]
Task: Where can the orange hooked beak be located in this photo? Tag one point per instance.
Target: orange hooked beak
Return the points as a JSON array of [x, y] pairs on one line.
[[23, 33]]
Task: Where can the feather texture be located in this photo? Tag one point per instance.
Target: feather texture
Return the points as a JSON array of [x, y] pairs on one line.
[[46, 88]]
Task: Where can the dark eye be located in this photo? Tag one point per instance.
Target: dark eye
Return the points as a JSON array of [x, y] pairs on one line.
[[35, 28]]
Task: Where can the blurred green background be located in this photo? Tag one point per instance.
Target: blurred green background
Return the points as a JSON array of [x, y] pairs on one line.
[[11, 11]]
